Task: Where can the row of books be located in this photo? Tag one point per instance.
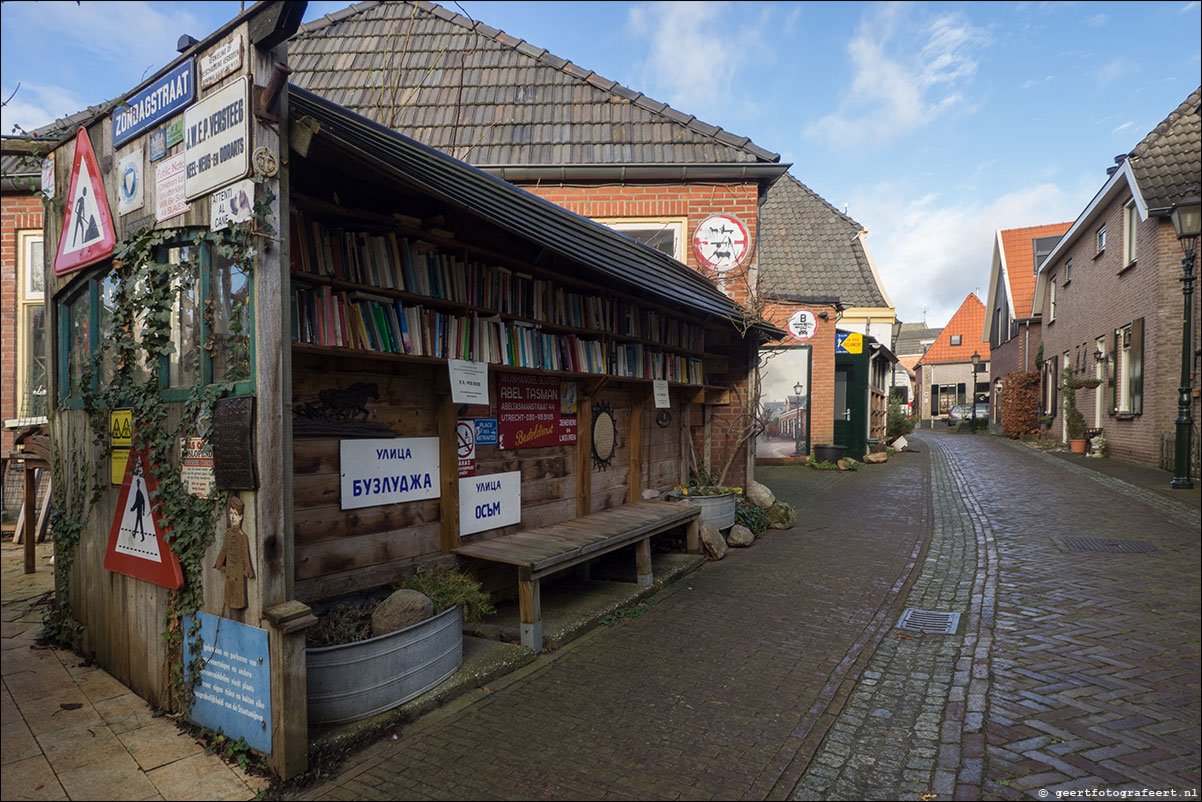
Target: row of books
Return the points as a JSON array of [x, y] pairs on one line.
[[640, 362], [324, 316], [391, 262]]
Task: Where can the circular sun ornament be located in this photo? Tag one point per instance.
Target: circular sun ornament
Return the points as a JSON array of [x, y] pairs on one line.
[[721, 242]]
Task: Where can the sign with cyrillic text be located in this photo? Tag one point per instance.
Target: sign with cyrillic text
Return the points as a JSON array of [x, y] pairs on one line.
[[391, 471], [489, 502], [217, 140]]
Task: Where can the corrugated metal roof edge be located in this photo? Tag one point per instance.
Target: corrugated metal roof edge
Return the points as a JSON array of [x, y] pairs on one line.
[[541, 55], [575, 237]]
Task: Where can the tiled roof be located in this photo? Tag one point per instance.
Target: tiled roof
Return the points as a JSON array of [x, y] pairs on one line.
[[1018, 252], [910, 339], [967, 322], [808, 247], [1168, 162], [490, 98]]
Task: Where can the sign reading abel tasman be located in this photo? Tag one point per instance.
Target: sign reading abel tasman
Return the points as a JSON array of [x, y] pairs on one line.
[[164, 98], [217, 140], [489, 502], [399, 469]]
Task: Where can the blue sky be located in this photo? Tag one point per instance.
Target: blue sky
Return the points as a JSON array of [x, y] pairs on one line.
[[934, 123]]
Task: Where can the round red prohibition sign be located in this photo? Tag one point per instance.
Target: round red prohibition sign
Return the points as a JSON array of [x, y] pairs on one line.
[[721, 242], [465, 439]]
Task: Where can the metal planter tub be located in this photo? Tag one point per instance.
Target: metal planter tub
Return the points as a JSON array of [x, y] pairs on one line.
[[717, 510], [352, 681], [829, 453]]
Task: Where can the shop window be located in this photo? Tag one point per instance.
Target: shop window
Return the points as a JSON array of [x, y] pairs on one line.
[[1128, 350], [31, 330], [210, 325], [665, 234], [1130, 226]]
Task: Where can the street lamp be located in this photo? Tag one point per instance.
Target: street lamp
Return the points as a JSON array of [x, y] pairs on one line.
[[797, 388], [976, 366], [1187, 223]]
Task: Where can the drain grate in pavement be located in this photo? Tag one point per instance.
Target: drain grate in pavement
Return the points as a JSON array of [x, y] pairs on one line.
[[1107, 545], [929, 621]]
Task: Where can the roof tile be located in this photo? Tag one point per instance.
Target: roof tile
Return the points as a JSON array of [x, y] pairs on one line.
[[968, 322]]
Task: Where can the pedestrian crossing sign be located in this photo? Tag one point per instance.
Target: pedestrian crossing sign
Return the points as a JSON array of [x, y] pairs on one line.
[[136, 547], [87, 236]]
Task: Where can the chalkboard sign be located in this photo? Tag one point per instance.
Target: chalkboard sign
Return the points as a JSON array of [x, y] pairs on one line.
[[232, 436]]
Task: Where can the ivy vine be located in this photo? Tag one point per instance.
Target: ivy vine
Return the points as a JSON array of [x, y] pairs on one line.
[[126, 369]]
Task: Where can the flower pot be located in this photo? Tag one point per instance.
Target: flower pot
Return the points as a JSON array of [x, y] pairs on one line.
[[717, 510], [1077, 446], [829, 453], [352, 681]]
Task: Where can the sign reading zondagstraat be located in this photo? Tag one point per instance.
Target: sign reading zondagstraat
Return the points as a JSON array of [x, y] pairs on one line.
[[165, 98]]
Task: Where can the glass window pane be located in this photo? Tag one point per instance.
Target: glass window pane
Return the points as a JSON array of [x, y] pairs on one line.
[[33, 268], [184, 361], [34, 404], [79, 342], [230, 336]]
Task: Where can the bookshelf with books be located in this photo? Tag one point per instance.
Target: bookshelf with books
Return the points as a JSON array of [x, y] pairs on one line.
[[377, 289]]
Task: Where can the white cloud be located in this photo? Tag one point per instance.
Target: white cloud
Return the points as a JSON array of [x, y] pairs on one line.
[[1114, 70], [1034, 82], [932, 251], [694, 54], [34, 105], [1120, 129], [905, 77], [124, 33], [1098, 20]]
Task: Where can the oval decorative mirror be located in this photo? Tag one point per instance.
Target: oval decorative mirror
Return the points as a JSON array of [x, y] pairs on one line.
[[605, 435]]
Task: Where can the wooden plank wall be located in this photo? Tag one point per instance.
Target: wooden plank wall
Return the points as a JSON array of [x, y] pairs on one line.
[[340, 553]]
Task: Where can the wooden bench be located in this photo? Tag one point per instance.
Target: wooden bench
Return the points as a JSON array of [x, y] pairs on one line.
[[548, 549]]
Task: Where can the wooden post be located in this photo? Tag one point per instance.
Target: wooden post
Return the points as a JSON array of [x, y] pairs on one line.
[[531, 609], [693, 537], [584, 454], [289, 684], [634, 482], [448, 473], [30, 515], [642, 562]]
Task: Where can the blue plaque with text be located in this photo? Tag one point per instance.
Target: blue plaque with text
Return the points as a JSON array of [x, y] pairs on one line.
[[234, 694]]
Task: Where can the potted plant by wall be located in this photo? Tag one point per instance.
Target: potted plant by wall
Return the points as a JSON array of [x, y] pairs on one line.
[[717, 502], [1074, 421], [366, 657]]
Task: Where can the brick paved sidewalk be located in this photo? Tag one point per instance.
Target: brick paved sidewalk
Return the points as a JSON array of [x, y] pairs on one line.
[[1074, 674], [71, 731], [720, 690]]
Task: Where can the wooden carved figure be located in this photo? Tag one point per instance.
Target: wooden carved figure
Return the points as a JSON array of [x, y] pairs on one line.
[[234, 557]]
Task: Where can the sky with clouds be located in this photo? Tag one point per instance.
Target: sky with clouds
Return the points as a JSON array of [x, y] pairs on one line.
[[933, 123]]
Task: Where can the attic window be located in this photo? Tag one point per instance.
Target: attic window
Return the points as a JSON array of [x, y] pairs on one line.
[[955, 339], [665, 234]]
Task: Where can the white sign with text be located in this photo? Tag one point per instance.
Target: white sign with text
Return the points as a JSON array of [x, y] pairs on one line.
[[392, 471], [217, 139], [489, 502]]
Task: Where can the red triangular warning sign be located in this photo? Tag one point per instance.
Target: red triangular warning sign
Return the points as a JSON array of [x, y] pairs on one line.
[[87, 236], [136, 546]]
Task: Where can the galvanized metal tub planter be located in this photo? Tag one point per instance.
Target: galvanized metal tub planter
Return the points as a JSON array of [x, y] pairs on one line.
[[352, 681], [717, 509]]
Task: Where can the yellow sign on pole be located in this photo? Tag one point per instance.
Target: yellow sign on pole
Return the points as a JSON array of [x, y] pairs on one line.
[[850, 342], [120, 441]]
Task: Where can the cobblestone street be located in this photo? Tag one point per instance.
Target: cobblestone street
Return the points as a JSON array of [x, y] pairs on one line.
[[779, 672]]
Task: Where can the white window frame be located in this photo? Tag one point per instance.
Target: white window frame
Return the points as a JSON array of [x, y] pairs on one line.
[[956, 339], [28, 298], [678, 225], [1100, 238], [1052, 299], [1130, 233]]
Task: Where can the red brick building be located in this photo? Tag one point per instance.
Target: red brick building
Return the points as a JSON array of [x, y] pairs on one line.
[[22, 330], [1012, 326], [945, 372], [1110, 297]]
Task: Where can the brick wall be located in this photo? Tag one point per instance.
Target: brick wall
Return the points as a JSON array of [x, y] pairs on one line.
[[822, 365], [18, 212], [692, 201], [1099, 299], [1016, 354]]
